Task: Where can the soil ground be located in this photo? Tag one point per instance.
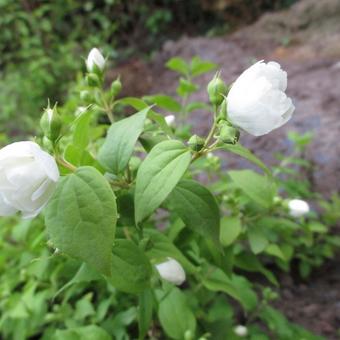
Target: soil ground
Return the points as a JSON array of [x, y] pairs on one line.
[[305, 40]]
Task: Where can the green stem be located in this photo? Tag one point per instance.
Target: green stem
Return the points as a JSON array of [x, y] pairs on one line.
[[66, 164], [207, 148]]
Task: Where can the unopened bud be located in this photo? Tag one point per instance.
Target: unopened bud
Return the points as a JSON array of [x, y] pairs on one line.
[[196, 143], [298, 208], [116, 87], [170, 120], [188, 335], [86, 96], [92, 80], [228, 134], [95, 61], [216, 90], [51, 123], [171, 271], [241, 330]]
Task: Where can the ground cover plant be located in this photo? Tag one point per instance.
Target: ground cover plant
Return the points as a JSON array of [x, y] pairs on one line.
[[132, 228]]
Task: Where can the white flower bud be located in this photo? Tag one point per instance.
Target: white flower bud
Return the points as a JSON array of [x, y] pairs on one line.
[[172, 271], [257, 102], [95, 58], [170, 120], [28, 177], [241, 330], [298, 208]]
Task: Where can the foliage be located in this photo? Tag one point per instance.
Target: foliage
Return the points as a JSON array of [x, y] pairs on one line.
[[125, 204], [42, 41]]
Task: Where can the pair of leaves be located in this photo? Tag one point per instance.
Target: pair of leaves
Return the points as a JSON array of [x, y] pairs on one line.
[[158, 178], [81, 221], [194, 69]]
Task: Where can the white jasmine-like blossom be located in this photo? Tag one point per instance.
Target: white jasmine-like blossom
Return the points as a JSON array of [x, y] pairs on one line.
[[170, 120], [257, 102], [241, 330], [298, 208], [28, 177], [95, 58], [172, 271]]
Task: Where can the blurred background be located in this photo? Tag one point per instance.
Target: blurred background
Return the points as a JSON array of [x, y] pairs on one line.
[[43, 45]]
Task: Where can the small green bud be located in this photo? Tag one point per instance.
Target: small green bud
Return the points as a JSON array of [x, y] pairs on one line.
[[116, 87], [216, 90], [51, 123], [86, 96], [188, 335], [93, 80], [196, 143], [228, 134], [278, 200]]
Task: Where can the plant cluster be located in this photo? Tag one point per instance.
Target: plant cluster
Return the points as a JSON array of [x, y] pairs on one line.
[[148, 235]]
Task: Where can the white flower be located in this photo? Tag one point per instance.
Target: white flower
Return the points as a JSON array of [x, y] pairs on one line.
[[298, 208], [95, 58], [172, 271], [170, 120], [257, 102], [28, 176], [241, 330]]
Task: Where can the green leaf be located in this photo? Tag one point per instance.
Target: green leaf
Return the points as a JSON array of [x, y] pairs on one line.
[[240, 150], [120, 141], [91, 332], [175, 315], [250, 262], [131, 269], [163, 101], [317, 227], [186, 87], [84, 274], [178, 65], [231, 228], [235, 286], [197, 207], [274, 250], [80, 157], [257, 239], [139, 104], [81, 218], [158, 175], [162, 248], [149, 140], [196, 106], [199, 66], [259, 188], [145, 312], [81, 129]]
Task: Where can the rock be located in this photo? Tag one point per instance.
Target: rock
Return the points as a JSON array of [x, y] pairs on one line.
[[311, 310]]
